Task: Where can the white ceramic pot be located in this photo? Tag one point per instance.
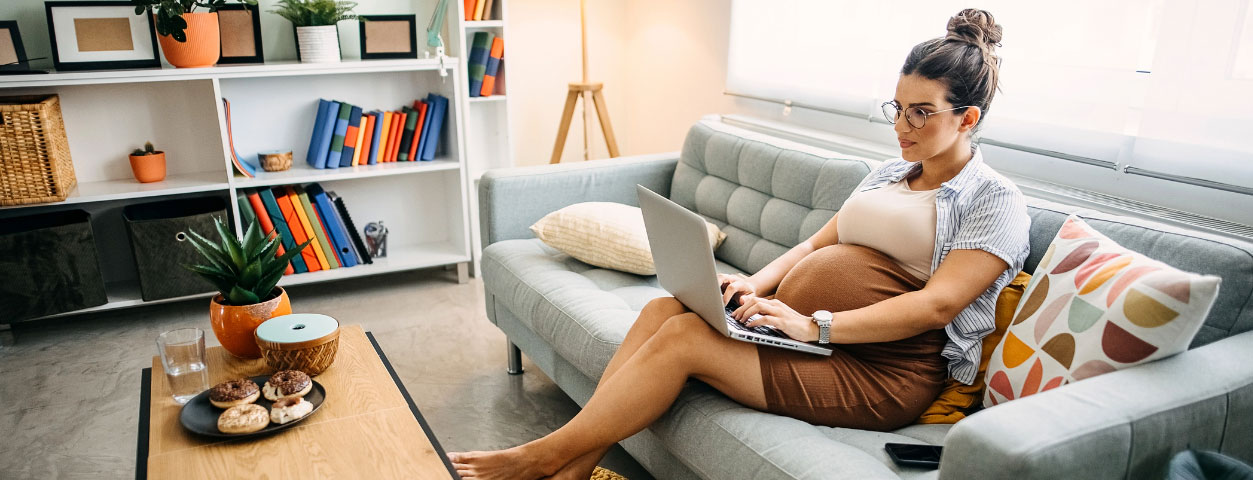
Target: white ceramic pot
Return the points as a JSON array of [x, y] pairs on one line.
[[318, 44]]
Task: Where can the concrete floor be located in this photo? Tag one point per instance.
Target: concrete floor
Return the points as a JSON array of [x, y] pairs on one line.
[[69, 387]]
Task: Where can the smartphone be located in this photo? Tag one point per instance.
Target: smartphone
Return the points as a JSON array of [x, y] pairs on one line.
[[908, 455]]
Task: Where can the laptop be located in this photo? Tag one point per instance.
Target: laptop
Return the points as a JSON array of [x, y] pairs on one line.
[[685, 267]]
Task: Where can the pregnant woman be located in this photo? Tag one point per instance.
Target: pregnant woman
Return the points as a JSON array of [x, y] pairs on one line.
[[907, 274]]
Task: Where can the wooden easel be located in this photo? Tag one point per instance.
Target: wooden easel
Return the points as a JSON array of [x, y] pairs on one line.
[[572, 98]]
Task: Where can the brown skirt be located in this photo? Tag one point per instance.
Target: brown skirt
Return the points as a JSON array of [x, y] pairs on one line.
[[869, 386]]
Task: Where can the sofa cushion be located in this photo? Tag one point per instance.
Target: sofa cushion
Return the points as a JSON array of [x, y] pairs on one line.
[[761, 191]]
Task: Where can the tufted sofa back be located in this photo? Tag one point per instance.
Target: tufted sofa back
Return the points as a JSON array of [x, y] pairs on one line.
[[766, 194]]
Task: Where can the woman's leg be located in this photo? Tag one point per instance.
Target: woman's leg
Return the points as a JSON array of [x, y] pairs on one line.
[[639, 392]]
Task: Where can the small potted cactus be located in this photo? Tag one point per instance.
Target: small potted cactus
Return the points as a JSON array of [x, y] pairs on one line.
[[148, 164]]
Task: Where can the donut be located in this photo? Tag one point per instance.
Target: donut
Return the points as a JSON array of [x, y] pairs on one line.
[[289, 409], [246, 418], [287, 383], [235, 392]]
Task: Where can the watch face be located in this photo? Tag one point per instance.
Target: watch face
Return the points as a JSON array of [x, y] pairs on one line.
[[822, 316]]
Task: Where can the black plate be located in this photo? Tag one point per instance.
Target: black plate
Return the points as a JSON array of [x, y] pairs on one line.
[[200, 416]]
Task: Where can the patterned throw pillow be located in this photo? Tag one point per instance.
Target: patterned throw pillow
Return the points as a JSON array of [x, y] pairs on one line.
[[1093, 307], [604, 234]]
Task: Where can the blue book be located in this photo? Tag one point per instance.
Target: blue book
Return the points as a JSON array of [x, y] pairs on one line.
[[480, 49], [321, 139], [426, 127], [334, 226], [437, 122], [378, 136], [354, 122], [280, 224], [337, 137]]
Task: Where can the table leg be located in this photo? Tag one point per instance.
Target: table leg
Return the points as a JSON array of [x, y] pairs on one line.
[[515, 359]]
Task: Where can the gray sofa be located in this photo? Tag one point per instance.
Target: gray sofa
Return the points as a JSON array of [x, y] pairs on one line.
[[767, 194]]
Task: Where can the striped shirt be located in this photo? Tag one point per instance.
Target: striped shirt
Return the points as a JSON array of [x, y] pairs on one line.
[[976, 210]]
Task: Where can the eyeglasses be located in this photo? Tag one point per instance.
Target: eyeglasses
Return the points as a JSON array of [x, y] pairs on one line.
[[915, 116]]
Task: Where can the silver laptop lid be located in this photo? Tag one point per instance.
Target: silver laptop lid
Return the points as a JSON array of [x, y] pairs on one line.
[[683, 256]]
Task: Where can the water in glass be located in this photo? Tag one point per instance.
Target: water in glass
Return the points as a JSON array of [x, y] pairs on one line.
[[182, 357]]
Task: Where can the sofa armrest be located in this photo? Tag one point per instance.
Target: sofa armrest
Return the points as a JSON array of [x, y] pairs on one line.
[[1123, 424], [512, 199]]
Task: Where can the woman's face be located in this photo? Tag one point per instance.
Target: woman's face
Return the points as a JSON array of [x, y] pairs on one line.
[[941, 132]]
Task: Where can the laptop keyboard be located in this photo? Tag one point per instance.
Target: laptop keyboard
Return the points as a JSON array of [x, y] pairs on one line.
[[762, 330]]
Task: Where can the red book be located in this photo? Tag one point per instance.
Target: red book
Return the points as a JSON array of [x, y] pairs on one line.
[[469, 4], [267, 227], [367, 122], [297, 231], [420, 107], [398, 127]]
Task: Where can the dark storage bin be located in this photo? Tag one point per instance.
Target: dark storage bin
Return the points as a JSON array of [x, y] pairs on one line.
[[158, 232], [48, 265]]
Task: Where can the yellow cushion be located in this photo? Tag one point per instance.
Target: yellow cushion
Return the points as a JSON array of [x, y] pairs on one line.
[[604, 234], [957, 398]]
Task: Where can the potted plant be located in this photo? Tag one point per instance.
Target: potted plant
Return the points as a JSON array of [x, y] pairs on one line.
[[246, 275], [148, 164], [317, 37], [188, 39]]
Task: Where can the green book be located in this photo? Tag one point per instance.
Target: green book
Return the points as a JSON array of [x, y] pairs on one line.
[[476, 67], [406, 138], [337, 140], [319, 228], [246, 215]]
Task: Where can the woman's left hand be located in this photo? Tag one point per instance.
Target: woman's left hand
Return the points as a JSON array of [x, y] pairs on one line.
[[776, 314]]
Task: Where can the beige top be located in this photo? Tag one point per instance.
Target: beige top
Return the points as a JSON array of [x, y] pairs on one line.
[[894, 220]]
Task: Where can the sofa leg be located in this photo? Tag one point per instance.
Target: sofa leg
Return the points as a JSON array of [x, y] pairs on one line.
[[515, 359]]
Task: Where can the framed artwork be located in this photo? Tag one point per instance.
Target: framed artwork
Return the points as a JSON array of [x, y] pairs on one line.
[[388, 36], [12, 54], [240, 25], [100, 35]]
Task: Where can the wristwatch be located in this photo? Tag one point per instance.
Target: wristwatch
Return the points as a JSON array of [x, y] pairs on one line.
[[823, 319]]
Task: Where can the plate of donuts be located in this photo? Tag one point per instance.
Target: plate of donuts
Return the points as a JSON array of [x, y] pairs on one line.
[[247, 407]]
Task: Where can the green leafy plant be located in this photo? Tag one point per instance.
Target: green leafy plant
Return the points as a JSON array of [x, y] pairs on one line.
[[315, 13], [244, 272], [170, 13], [147, 150]]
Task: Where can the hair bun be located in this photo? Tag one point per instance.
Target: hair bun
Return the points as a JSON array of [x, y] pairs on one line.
[[976, 27]]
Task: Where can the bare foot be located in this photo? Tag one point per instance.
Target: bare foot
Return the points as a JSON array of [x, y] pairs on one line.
[[510, 464], [581, 468]]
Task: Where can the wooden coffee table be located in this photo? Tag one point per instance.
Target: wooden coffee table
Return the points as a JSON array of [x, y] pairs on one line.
[[368, 426]]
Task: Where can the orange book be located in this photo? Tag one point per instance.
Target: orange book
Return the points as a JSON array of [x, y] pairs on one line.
[[356, 153], [385, 134], [308, 226], [297, 230], [398, 129], [367, 140], [420, 107], [391, 137], [267, 227], [469, 4]]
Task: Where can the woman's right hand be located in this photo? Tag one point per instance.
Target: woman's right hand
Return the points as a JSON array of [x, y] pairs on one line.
[[734, 287]]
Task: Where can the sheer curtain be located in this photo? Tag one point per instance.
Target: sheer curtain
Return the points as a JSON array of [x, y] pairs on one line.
[[1159, 86]]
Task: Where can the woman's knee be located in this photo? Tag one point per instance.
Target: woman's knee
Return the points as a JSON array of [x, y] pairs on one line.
[[657, 311]]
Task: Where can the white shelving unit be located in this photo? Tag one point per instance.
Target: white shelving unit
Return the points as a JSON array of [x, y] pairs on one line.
[[425, 205], [488, 128]]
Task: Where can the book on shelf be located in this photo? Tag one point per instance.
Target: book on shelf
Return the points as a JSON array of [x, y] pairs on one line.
[[469, 10], [359, 145], [420, 108], [305, 225], [246, 215], [358, 246], [266, 221], [279, 195], [476, 65], [323, 128], [377, 140], [243, 167], [426, 126], [334, 226], [494, 57], [478, 9], [398, 127], [318, 227], [406, 134], [487, 9], [389, 118], [439, 110], [367, 139], [337, 140], [350, 137]]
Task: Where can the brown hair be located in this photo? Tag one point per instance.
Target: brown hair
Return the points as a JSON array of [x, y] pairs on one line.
[[965, 59]]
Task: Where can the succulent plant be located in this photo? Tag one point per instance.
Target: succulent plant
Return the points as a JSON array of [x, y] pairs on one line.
[[147, 150], [244, 272]]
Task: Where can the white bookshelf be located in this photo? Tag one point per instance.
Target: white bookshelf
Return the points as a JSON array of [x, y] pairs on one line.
[[425, 205]]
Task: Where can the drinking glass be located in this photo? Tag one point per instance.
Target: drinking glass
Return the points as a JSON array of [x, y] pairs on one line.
[[182, 356]]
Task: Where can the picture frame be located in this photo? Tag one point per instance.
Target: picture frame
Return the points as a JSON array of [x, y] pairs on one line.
[[12, 54], [100, 35], [388, 36], [240, 26]]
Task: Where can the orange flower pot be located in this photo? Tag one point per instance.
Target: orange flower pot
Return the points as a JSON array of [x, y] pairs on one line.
[[235, 326], [148, 168], [203, 47]]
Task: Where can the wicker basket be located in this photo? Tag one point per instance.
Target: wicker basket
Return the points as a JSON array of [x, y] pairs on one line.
[[301, 341], [35, 164]]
